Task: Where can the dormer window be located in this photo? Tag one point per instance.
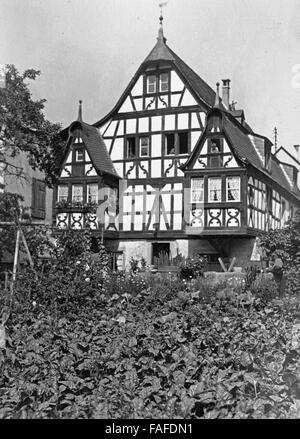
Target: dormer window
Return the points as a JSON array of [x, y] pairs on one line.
[[151, 84], [79, 156], [163, 82]]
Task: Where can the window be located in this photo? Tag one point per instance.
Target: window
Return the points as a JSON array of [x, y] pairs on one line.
[[183, 142], [233, 190], [177, 143], [164, 82], [170, 144], [79, 155], [38, 205], [197, 190], [131, 147], [144, 146], [215, 151], [77, 193], [151, 84], [214, 190], [62, 193], [92, 193]]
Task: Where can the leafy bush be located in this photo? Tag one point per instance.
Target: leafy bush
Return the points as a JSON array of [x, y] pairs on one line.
[[285, 244], [192, 268], [126, 359], [264, 287]]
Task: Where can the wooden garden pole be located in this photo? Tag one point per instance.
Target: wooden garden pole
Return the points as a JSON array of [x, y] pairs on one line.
[[27, 249], [16, 255]]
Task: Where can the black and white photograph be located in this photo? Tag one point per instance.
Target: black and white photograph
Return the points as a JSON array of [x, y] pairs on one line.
[[149, 212]]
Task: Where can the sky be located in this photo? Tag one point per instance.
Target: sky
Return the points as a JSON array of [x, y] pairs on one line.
[[90, 49]]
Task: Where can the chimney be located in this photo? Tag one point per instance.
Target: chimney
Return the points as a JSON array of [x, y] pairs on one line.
[[226, 92]]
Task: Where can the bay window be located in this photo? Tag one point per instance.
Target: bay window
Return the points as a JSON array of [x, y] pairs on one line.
[[197, 190], [214, 190], [92, 193], [77, 193], [62, 193], [233, 189]]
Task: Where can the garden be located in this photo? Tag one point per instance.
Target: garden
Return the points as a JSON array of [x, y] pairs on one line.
[[80, 341]]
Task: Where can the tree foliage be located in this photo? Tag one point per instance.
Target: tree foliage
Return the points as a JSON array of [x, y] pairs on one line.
[[24, 127], [285, 244]]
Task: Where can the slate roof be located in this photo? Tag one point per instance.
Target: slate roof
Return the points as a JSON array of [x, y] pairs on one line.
[[246, 152], [162, 52], [95, 146]]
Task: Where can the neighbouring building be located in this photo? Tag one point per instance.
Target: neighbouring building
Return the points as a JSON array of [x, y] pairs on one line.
[[174, 169]]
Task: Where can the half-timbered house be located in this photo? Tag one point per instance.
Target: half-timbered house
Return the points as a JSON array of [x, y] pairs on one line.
[[189, 172]]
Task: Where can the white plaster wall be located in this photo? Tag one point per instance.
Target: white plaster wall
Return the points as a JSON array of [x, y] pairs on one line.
[[23, 185]]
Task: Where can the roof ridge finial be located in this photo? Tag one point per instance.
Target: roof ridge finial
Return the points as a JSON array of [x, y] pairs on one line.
[[217, 101], [80, 111], [161, 19]]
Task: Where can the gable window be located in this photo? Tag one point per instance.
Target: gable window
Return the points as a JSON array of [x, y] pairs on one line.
[[233, 189], [144, 146], [164, 82], [183, 142], [131, 147], [197, 190], [79, 155], [170, 144], [92, 193], [214, 190], [151, 84], [77, 193], [62, 193], [215, 153]]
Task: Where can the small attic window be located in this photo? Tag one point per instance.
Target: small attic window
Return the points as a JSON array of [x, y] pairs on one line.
[[151, 84], [79, 155], [164, 82]]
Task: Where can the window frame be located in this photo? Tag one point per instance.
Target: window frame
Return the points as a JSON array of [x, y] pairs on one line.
[[148, 84], [127, 156], [88, 194], [141, 146], [227, 188], [58, 192], [209, 190], [161, 82], [193, 190], [78, 185], [77, 152], [166, 153], [176, 135], [178, 142]]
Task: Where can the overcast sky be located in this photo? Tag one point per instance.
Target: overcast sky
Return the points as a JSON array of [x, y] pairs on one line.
[[90, 49]]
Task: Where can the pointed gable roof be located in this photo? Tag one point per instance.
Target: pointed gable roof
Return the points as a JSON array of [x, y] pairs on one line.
[[243, 149], [93, 143], [162, 52]]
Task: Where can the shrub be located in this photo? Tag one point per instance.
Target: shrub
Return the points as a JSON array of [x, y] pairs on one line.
[[192, 268], [264, 287]]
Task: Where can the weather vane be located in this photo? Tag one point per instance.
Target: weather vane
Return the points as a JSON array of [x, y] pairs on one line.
[[162, 5]]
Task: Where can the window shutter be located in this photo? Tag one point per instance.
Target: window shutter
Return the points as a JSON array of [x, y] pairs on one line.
[[34, 198], [42, 199], [38, 206]]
